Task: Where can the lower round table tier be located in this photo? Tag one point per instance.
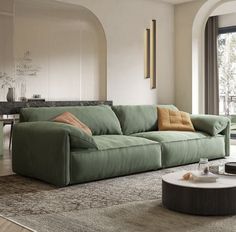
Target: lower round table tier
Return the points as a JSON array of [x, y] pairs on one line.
[[200, 199]]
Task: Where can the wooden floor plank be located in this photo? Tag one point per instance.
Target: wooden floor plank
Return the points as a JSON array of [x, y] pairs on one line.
[[5, 170], [8, 226]]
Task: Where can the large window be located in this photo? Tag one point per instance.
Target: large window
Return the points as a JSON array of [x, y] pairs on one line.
[[227, 70]]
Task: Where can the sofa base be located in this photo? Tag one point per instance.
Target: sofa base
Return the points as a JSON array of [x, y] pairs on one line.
[[96, 165]]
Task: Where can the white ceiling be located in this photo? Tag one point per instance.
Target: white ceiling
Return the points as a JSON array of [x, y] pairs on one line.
[[177, 1]]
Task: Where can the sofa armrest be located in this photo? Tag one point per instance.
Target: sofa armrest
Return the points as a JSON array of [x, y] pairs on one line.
[[42, 150], [213, 125]]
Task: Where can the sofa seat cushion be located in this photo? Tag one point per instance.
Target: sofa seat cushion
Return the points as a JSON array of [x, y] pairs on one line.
[[183, 147], [171, 136], [118, 155], [106, 142]]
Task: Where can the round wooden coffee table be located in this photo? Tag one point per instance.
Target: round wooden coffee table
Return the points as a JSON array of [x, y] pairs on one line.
[[217, 198]]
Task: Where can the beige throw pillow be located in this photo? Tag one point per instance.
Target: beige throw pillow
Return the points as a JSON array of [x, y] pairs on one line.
[[69, 118]]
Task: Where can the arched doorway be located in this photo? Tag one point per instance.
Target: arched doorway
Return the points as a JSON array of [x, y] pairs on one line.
[[60, 51], [198, 52]]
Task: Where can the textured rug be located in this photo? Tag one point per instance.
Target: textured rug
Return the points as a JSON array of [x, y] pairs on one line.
[[131, 203]]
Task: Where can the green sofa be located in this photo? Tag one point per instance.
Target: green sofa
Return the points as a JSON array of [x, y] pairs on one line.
[[125, 141]]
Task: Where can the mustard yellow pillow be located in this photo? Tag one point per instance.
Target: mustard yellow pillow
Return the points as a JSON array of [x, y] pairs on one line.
[[174, 120]]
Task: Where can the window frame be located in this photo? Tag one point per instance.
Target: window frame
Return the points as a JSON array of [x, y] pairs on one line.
[[225, 30]]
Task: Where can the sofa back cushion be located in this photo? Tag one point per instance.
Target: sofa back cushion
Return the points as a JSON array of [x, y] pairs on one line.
[[138, 118], [100, 119]]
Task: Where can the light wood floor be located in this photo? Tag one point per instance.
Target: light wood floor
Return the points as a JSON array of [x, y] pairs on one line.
[[8, 226], [5, 164], [5, 170]]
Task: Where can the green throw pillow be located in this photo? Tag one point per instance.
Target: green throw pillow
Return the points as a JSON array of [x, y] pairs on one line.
[[211, 124]]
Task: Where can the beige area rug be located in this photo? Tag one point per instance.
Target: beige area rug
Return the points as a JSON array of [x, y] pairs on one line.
[[143, 216], [131, 203]]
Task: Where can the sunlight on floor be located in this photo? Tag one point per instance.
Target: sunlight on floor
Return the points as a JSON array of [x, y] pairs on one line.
[[233, 150]]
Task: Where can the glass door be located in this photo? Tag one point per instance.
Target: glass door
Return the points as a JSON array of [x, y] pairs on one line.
[[227, 75]]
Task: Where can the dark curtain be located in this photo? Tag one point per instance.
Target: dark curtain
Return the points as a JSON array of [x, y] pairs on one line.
[[211, 67]]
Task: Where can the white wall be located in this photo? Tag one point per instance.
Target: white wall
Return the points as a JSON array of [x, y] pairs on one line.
[[184, 17], [68, 46], [6, 41], [227, 20], [124, 22]]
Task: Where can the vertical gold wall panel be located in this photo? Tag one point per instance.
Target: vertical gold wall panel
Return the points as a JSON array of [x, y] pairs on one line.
[[147, 53], [153, 55]]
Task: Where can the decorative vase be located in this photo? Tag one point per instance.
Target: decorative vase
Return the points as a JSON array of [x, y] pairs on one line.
[[11, 95], [23, 88], [203, 166]]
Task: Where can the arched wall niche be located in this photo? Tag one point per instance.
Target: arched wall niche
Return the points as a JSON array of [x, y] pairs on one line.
[[199, 23], [64, 46]]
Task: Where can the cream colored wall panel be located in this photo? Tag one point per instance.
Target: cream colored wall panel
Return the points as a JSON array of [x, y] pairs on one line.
[[6, 6], [64, 62], [92, 50], [184, 17], [6, 44], [31, 36], [65, 42]]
